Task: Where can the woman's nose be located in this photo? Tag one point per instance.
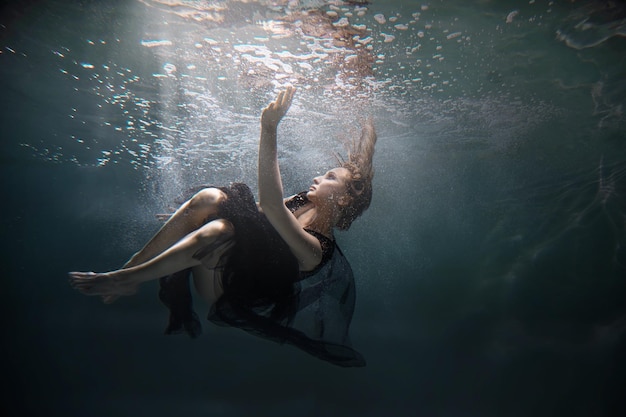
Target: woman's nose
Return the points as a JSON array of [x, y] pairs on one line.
[[316, 180]]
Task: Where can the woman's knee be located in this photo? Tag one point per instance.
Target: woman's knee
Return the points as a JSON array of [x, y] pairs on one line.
[[216, 230], [206, 199], [212, 241]]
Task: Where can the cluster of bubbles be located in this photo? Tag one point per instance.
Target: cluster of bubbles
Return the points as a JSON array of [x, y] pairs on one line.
[[213, 65]]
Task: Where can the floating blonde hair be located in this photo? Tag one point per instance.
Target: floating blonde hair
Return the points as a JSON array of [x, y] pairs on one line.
[[359, 163]]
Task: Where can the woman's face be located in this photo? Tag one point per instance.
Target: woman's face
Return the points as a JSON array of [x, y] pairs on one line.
[[330, 187]]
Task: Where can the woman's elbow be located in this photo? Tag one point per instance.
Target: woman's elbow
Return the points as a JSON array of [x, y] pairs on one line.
[[270, 205]]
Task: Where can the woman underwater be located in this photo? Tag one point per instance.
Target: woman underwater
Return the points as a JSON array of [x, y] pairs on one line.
[[272, 269]]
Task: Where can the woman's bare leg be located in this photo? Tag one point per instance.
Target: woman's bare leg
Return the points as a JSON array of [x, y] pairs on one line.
[[208, 283], [178, 257], [189, 217]]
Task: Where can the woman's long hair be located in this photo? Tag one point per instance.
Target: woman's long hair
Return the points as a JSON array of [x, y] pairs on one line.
[[359, 163]]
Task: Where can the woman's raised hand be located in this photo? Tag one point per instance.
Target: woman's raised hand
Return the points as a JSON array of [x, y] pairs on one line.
[[274, 112]]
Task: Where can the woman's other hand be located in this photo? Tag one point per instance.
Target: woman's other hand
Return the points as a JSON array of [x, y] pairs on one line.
[[274, 112]]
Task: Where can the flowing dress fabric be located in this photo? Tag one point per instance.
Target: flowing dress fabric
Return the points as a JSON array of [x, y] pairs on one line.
[[264, 292]]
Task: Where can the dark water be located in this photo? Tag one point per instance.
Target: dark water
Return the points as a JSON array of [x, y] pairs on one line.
[[491, 266]]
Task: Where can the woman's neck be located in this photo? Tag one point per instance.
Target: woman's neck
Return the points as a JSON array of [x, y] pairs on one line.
[[313, 219]]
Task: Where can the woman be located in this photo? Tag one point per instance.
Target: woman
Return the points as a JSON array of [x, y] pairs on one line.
[[274, 269]]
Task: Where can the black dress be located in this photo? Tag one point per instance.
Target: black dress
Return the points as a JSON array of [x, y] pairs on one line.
[[265, 294]]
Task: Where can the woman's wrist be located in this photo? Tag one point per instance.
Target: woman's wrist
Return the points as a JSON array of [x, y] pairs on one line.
[[269, 127]]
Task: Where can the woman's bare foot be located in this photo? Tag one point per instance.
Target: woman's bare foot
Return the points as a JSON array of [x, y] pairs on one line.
[[109, 284]]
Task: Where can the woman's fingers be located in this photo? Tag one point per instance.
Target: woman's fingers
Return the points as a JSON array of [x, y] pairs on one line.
[[283, 100], [275, 111], [279, 99], [287, 96]]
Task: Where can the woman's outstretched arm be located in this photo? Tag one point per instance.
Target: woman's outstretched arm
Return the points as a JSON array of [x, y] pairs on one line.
[[305, 247]]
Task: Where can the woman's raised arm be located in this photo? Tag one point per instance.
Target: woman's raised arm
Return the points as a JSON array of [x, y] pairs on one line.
[[305, 247]]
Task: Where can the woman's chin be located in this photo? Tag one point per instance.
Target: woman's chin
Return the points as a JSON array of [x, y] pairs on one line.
[[311, 196]]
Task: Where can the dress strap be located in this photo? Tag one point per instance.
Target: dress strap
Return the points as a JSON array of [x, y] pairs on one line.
[[297, 201]]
